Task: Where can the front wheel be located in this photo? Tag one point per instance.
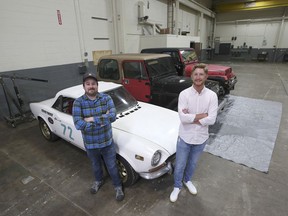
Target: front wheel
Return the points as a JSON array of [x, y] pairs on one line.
[[126, 171], [46, 132]]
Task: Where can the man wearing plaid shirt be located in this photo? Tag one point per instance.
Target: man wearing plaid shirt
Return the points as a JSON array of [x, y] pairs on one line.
[[93, 114]]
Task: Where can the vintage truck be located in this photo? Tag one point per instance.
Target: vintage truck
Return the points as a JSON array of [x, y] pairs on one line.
[[186, 58], [148, 77]]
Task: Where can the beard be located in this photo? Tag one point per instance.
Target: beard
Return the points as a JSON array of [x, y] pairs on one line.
[[91, 92]]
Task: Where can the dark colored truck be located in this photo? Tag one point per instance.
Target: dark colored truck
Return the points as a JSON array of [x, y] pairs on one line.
[[149, 78], [185, 59]]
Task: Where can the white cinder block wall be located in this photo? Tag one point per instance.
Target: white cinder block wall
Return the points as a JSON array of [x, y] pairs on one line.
[[53, 39], [32, 37], [46, 33], [258, 34], [261, 29]]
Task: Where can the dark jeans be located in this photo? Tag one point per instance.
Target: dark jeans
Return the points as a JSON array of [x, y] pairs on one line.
[[109, 156]]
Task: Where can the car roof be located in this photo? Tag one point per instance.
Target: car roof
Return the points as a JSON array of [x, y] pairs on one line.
[[135, 56], [77, 91]]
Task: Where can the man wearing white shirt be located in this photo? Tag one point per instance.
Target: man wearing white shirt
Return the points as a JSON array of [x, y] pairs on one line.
[[197, 109]]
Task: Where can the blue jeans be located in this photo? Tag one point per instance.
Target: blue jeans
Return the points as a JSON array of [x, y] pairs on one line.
[[187, 156], [109, 156]]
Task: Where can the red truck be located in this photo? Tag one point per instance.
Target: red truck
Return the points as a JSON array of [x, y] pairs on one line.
[[148, 77], [186, 58]]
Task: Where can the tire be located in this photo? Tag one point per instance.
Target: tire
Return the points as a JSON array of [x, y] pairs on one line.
[[127, 173], [46, 132], [222, 91], [227, 91]]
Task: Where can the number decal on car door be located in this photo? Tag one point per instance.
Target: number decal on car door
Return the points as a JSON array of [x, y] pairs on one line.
[[64, 131]]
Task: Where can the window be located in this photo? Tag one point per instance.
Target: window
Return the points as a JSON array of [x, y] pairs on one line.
[[189, 55], [108, 69], [122, 99], [58, 104], [64, 104], [134, 70], [160, 66]]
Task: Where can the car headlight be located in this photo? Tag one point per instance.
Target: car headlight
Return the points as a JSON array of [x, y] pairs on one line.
[[156, 158]]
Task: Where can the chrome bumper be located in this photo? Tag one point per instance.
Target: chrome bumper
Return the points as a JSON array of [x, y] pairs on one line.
[[167, 168]]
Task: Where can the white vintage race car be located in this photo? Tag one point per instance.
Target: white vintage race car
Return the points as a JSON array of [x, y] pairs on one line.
[[145, 135]]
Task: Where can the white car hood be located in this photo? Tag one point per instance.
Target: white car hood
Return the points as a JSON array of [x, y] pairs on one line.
[[154, 123]]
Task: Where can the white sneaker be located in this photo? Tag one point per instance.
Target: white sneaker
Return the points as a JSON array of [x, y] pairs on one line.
[[192, 189], [174, 194]]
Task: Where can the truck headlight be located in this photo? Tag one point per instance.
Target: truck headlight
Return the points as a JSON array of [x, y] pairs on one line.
[[156, 158]]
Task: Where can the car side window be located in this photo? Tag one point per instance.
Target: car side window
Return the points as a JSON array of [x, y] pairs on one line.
[[175, 56], [67, 105], [58, 104], [108, 69], [134, 70], [64, 104]]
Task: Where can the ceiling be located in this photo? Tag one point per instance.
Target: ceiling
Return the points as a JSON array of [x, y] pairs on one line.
[[222, 6]]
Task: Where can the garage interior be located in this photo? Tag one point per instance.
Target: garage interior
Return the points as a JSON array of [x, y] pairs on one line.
[[48, 46]]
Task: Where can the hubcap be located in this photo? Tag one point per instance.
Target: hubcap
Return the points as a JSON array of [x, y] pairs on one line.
[[122, 171], [45, 130]]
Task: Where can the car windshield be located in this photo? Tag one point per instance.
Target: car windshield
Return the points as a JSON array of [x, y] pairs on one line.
[[189, 55], [122, 99], [160, 66]]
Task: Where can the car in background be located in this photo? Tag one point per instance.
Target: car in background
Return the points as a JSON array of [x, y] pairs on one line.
[[150, 78], [186, 58], [138, 132]]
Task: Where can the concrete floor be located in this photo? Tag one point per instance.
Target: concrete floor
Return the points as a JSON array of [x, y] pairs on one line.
[[42, 178]]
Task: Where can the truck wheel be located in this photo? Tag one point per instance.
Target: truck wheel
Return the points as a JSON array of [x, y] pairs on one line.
[[46, 132], [127, 173], [227, 91], [222, 91]]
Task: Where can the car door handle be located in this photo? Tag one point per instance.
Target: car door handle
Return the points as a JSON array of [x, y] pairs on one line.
[[57, 119]]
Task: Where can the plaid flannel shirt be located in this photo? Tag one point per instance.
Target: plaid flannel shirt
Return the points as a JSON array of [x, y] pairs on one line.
[[97, 134]]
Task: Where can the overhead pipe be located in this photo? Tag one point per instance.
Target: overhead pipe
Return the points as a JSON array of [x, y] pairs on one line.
[[253, 20]]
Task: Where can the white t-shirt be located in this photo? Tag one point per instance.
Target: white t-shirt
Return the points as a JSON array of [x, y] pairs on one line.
[[205, 102]]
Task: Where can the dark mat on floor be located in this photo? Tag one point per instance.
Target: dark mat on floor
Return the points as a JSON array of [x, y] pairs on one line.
[[245, 132]]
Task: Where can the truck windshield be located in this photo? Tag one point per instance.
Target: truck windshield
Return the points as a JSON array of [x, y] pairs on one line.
[[189, 55], [122, 99], [160, 66]]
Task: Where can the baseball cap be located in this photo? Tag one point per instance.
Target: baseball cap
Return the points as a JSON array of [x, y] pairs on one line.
[[89, 75]]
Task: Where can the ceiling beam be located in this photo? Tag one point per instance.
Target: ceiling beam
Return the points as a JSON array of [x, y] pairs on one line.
[[252, 5]]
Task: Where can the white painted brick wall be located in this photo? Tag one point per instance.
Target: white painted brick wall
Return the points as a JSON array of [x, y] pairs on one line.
[[31, 36]]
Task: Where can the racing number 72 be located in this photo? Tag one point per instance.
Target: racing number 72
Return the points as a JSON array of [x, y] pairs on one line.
[[70, 131]]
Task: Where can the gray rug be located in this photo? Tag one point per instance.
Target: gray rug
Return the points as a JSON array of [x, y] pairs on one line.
[[245, 132]]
